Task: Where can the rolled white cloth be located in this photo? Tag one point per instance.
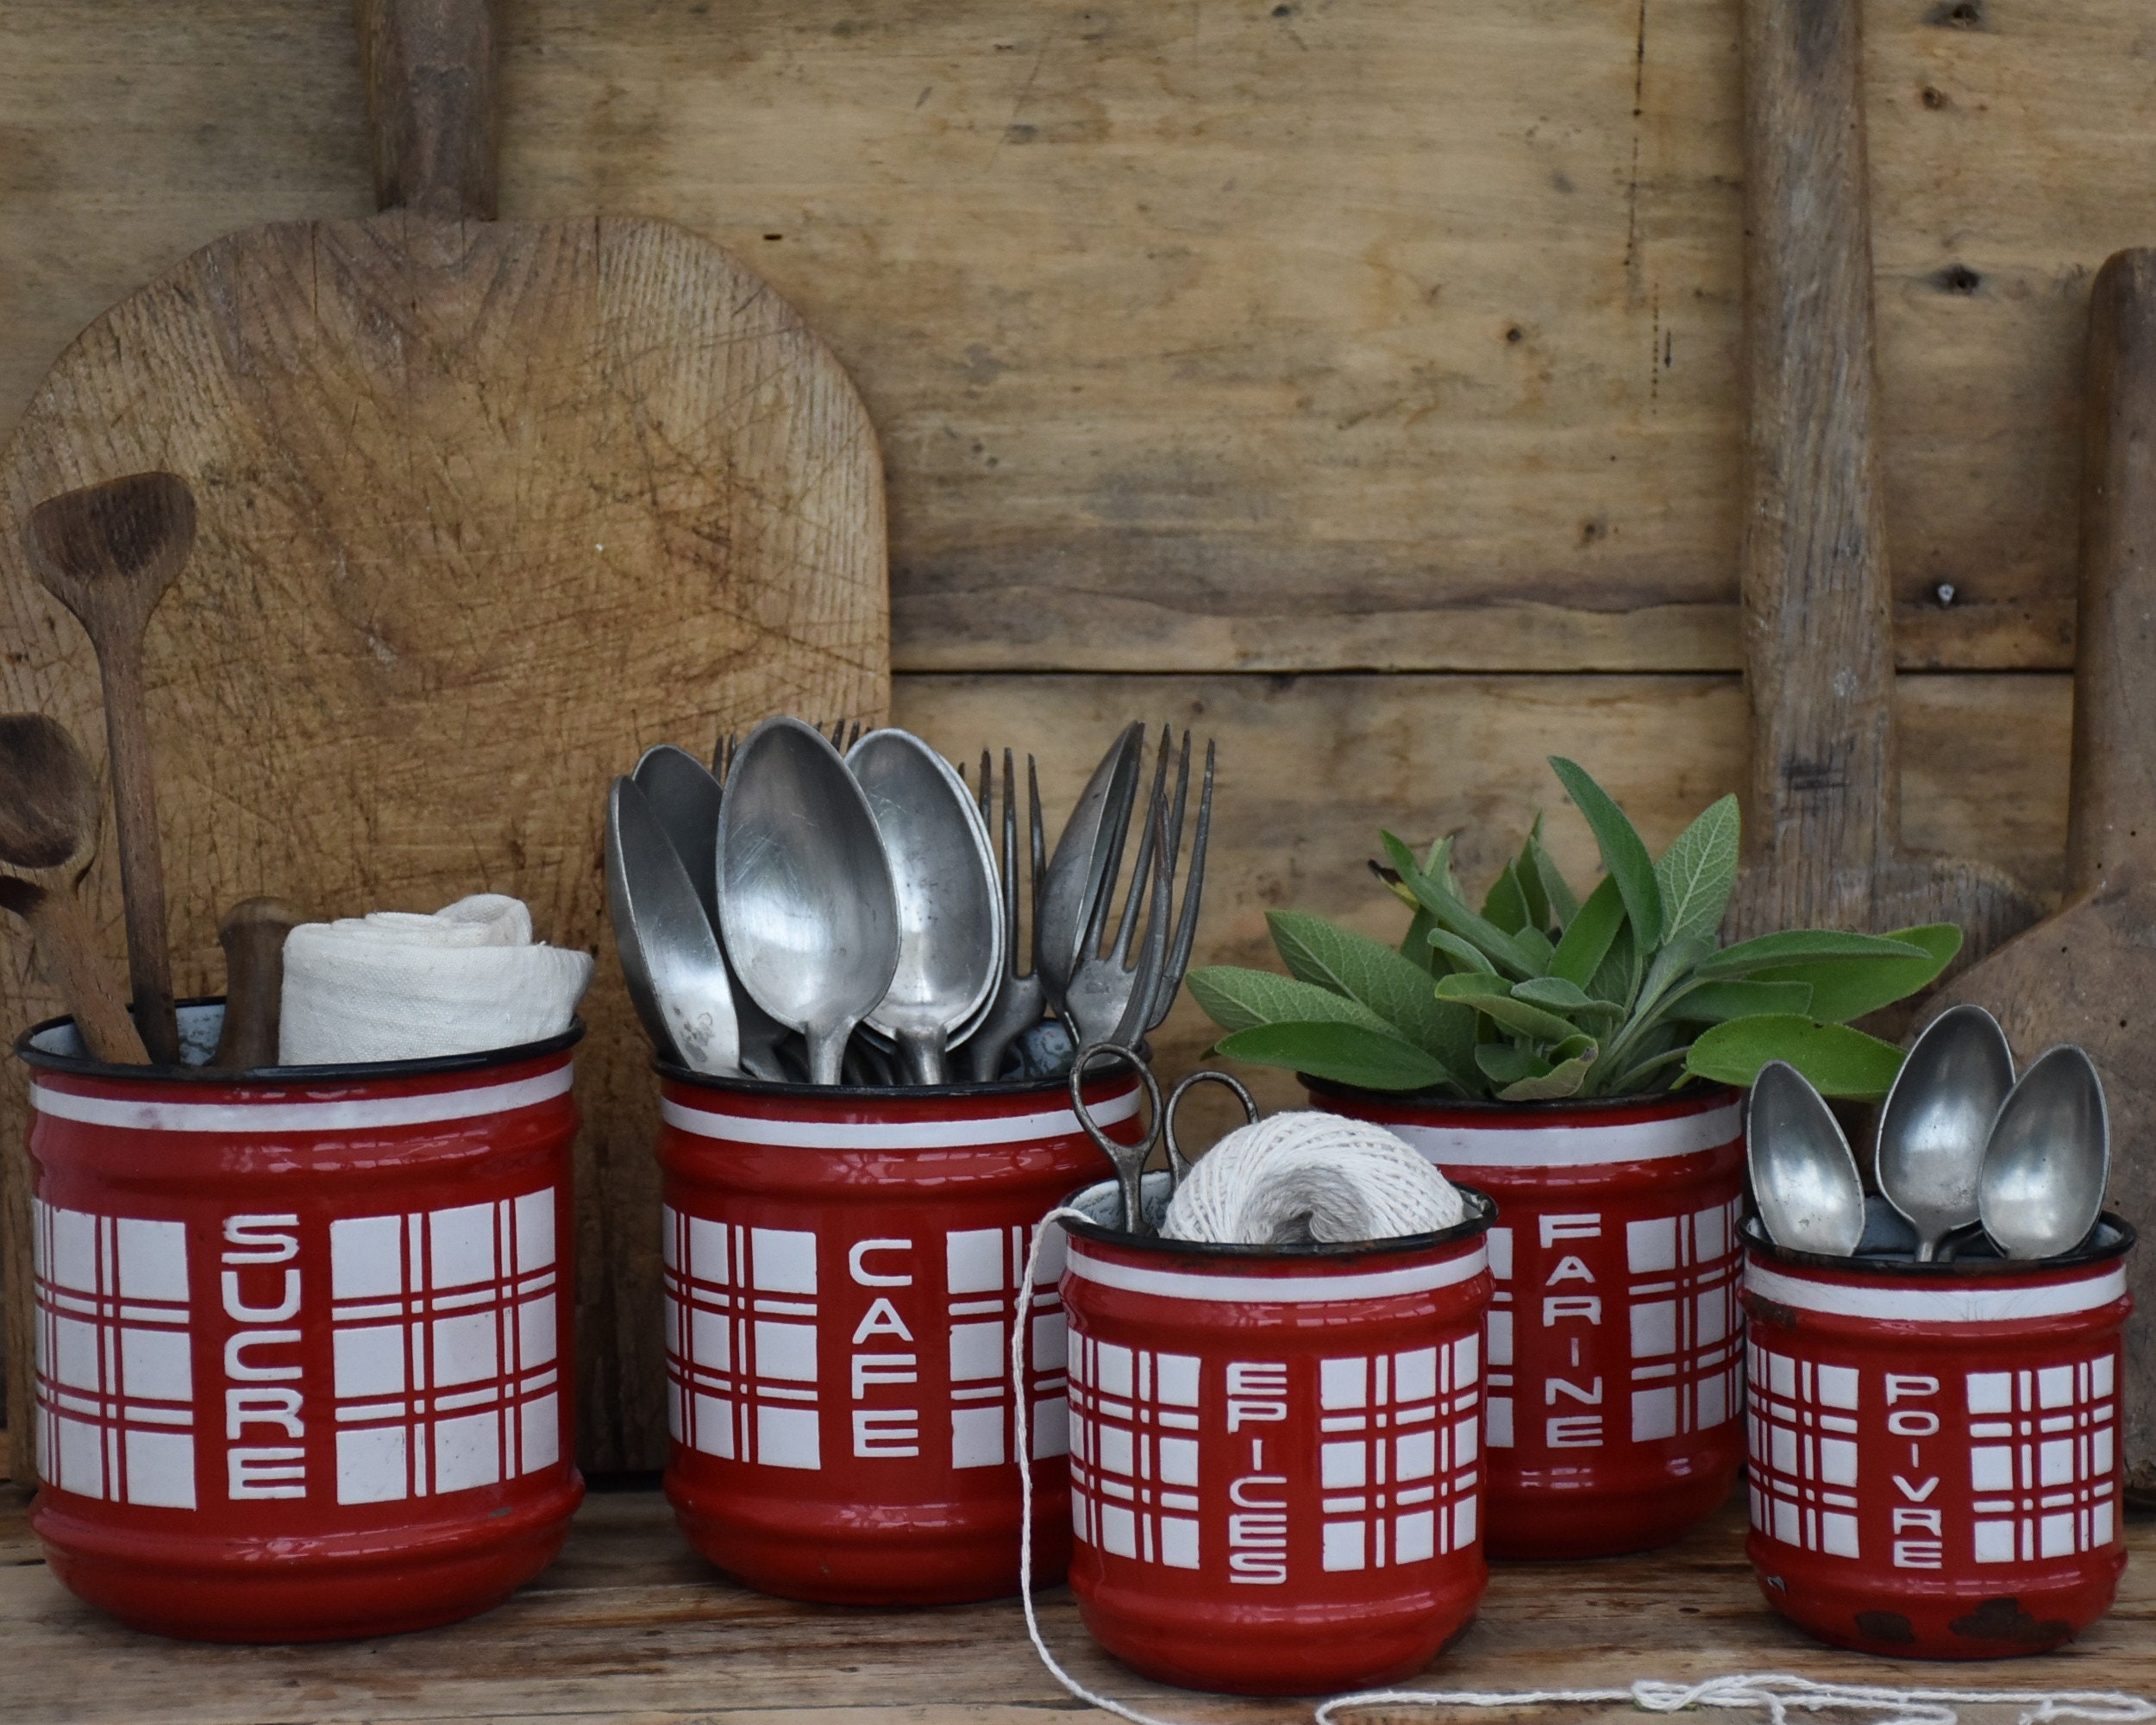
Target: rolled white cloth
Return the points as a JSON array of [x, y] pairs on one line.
[[1308, 1176], [395, 985]]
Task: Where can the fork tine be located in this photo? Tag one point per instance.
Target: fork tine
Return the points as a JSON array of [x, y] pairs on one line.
[[1151, 853], [1115, 821], [1010, 858], [1040, 854], [1186, 921], [985, 795], [1182, 805], [1153, 956]]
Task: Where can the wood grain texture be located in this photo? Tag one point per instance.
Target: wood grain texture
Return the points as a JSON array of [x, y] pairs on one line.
[[2085, 975], [630, 1625], [431, 67], [1821, 799], [483, 510], [1174, 318]]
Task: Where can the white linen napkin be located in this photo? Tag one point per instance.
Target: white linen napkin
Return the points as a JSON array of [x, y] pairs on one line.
[[395, 985]]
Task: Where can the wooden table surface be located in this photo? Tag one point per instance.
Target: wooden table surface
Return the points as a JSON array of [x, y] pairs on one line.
[[631, 1625]]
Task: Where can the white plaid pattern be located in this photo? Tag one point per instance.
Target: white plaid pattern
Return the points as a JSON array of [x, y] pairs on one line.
[[983, 1268], [1404, 1488], [1803, 1448], [1134, 1452], [2043, 1463], [740, 1308], [443, 1323], [115, 1383], [1686, 1330]]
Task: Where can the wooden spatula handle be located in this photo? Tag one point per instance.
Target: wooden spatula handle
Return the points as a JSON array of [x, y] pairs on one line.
[[2111, 833], [68, 953], [252, 936], [141, 854], [1819, 654], [430, 67]]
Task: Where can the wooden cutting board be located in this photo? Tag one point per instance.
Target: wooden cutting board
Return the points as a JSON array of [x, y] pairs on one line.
[[485, 507]]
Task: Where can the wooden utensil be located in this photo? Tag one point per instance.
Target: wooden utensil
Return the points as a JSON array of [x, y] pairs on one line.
[[48, 829], [1822, 803], [487, 507], [2084, 975], [252, 936], [108, 553]]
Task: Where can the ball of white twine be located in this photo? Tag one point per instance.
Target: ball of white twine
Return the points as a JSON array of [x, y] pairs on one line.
[[1300, 1177]]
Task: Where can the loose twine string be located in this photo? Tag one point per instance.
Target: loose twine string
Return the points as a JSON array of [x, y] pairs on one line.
[[1775, 1694]]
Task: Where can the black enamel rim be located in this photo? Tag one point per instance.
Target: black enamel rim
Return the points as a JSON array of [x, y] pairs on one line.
[[1481, 1212], [440, 1065], [2094, 1249]]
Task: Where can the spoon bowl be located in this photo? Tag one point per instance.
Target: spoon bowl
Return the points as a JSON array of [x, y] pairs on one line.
[[806, 902], [944, 873], [1803, 1176], [1937, 1121], [2049, 1158], [669, 954]]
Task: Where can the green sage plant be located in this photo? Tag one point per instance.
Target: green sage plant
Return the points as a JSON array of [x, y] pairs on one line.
[[1541, 994]]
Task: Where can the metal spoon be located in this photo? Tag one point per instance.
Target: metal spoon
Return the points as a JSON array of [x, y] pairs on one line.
[[1090, 845], [669, 954], [1937, 1121], [805, 898], [48, 829], [951, 918], [2049, 1157], [685, 794], [108, 553], [1803, 1174]]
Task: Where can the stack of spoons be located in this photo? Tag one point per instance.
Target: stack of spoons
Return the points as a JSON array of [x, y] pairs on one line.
[[1970, 1161], [803, 912]]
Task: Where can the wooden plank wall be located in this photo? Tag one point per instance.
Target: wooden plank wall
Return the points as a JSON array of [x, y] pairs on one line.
[[1356, 381]]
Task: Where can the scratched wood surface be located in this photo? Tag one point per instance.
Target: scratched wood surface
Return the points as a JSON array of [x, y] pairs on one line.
[[483, 507], [629, 1624], [1172, 316]]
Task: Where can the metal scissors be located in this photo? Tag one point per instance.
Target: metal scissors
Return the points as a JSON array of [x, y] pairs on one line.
[[1130, 1159]]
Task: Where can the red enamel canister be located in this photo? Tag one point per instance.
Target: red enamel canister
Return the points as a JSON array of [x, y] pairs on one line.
[[1935, 1453], [303, 1343], [1276, 1453], [1616, 1339], [842, 1268]]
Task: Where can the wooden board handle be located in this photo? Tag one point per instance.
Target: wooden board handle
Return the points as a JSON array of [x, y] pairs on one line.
[[1820, 811], [430, 67], [2111, 831], [252, 936]]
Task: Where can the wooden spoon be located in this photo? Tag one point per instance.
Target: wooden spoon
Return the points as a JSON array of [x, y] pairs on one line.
[[252, 936], [49, 827], [108, 553]]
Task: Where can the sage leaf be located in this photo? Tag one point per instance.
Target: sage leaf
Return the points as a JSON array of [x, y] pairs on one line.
[[1718, 1001], [1341, 1052], [1506, 1063], [1451, 913], [1489, 997], [1799, 945], [1368, 970], [1465, 953], [1844, 988], [1237, 999], [1587, 935], [1505, 905], [1560, 1081], [1555, 993], [1556, 891], [1698, 871], [1839, 1061], [1623, 854]]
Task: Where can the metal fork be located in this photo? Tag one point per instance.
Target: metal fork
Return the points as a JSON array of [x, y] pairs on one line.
[[1019, 999], [1115, 985]]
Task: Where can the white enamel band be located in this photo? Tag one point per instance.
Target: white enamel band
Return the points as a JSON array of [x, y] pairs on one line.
[[352, 1114], [1275, 1290], [955, 1134], [1564, 1146], [1913, 1304]]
